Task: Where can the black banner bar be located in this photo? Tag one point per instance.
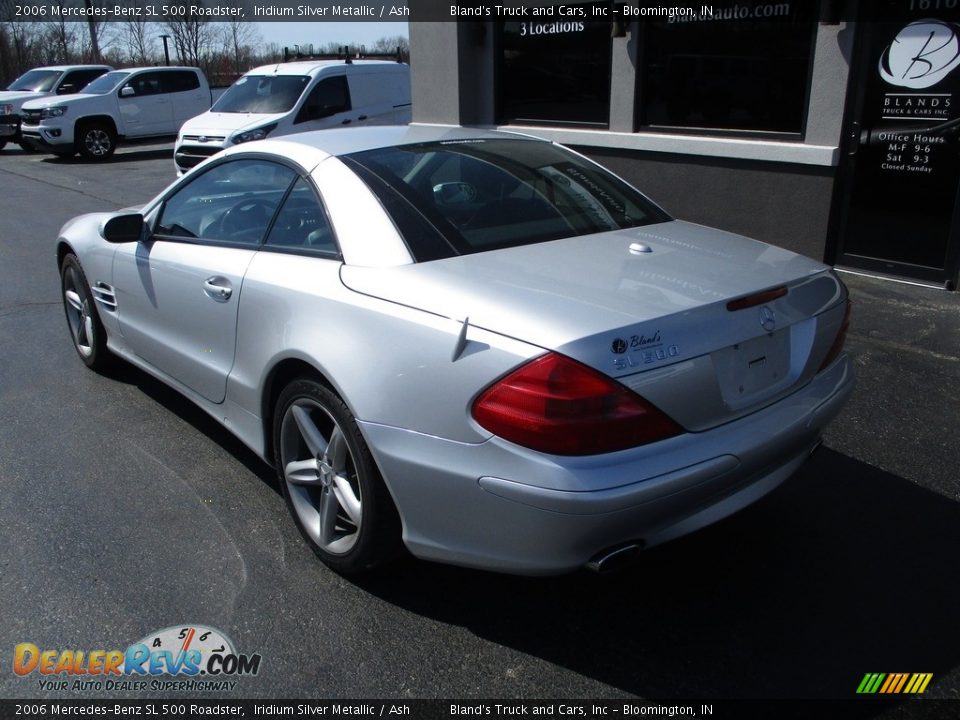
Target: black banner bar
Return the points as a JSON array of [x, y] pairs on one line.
[[460, 10], [853, 709]]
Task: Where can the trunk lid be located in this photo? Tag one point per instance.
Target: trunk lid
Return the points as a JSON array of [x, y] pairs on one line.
[[641, 305]]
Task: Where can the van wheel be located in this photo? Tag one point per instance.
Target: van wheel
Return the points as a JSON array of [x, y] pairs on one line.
[[96, 141]]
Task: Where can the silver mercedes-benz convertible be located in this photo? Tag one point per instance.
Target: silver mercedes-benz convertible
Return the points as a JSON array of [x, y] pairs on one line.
[[480, 346]]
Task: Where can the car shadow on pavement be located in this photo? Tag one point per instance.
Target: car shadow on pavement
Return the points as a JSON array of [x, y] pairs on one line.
[[844, 570], [187, 411], [165, 153]]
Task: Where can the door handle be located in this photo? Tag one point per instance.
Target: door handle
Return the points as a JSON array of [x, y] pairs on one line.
[[217, 288], [362, 117], [346, 122], [853, 139]]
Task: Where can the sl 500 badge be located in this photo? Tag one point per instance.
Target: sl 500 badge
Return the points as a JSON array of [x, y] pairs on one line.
[[645, 357]]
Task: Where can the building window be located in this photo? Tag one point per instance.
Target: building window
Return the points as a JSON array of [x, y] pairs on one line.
[[745, 68], [556, 69]]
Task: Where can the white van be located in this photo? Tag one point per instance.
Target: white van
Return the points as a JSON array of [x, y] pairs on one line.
[[296, 97]]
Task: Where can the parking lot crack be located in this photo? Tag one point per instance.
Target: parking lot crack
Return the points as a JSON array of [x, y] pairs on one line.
[[18, 308], [58, 186]]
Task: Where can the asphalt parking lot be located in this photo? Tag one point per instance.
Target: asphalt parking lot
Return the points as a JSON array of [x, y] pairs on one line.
[[124, 510]]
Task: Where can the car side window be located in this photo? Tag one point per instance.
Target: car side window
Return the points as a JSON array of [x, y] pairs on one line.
[[176, 81], [75, 81], [233, 203], [150, 83], [329, 97], [302, 223]]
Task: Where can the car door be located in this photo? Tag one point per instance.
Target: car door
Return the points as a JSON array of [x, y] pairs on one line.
[[189, 99], [145, 109], [178, 292], [326, 105]]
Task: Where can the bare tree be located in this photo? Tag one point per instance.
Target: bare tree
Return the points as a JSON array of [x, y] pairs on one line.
[[191, 33], [239, 39], [392, 44], [138, 41], [59, 39], [19, 42]]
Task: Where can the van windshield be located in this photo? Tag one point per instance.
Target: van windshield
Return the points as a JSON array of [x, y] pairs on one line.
[[262, 94]]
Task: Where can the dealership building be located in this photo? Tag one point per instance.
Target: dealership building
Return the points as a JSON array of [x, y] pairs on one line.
[[826, 127]]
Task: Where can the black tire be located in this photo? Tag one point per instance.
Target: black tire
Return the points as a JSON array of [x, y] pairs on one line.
[[3, 144], [86, 330], [96, 140], [27, 147], [363, 527]]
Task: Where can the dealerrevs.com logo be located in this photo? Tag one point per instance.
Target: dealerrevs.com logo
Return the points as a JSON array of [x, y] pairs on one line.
[[198, 657]]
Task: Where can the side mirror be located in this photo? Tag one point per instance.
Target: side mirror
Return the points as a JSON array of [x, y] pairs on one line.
[[127, 91], [122, 228], [66, 89]]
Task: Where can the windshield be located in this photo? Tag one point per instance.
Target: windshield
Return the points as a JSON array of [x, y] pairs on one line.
[[36, 81], [262, 94], [105, 83], [453, 198]]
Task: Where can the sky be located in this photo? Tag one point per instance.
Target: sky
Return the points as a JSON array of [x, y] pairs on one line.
[[288, 34]]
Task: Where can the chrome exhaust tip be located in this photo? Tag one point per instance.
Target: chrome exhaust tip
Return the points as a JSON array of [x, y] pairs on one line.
[[616, 558]]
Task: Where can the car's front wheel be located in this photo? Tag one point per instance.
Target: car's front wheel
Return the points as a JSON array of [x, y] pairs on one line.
[[330, 480], [86, 330], [96, 141]]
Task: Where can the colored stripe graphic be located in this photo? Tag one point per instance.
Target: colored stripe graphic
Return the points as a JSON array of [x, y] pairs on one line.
[[894, 683]]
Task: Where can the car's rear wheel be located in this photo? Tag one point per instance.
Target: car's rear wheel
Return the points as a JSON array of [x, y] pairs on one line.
[[86, 330], [26, 147], [96, 141], [330, 480]]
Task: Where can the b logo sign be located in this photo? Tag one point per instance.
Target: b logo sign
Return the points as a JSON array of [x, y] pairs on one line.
[[921, 55]]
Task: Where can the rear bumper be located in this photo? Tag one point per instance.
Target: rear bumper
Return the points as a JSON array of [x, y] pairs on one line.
[[497, 506]]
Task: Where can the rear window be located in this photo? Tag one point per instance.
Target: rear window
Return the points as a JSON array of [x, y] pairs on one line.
[[488, 194]]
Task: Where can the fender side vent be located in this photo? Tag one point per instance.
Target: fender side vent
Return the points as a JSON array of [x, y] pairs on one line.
[[105, 296]]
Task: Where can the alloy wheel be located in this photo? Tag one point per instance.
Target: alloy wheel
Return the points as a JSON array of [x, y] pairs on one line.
[[321, 476], [77, 304]]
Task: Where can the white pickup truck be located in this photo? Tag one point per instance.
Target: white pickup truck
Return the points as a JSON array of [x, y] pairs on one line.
[[39, 83], [122, 105]]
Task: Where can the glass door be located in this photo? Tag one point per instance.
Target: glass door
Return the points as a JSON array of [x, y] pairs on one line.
[[900, 176]]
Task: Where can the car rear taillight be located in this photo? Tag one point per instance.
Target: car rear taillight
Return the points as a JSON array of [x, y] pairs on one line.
[[556, 405], [834, 352]]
